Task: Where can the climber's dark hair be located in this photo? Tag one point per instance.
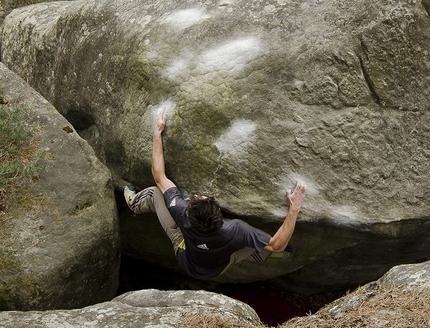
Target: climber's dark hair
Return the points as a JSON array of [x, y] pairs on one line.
[[204, 214]]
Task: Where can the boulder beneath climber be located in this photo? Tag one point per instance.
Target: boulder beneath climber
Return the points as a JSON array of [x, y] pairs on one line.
[[145, 308], [258, 95], [60, 245], [402, 295], [399, 298]]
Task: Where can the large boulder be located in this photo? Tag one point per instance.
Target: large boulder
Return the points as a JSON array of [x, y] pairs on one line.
[[258, 95], [144, 308], [399, 297], [60, 245]]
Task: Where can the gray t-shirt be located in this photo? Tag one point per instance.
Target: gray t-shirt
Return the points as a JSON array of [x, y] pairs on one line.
[[206, 255]]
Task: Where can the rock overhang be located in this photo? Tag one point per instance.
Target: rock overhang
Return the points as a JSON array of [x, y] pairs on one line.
[[258, 95]]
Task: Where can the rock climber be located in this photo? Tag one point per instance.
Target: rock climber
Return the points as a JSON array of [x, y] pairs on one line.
[[205, 243]]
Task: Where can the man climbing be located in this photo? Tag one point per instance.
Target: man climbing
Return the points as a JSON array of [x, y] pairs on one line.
[[206, 244]]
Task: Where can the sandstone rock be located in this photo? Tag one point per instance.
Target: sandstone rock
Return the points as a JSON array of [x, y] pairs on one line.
[[398, 299], [59, 249], [145, 308], [259, 94], [173, 308], [410, 276]]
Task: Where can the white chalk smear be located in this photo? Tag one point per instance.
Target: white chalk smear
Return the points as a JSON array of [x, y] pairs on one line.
[[237, 138], [169, 108], [289, 182], [231, 56], [347, 215], [280, 212], [179, 67], [228, 58], [185, 18], [283, 183], [338, 214]]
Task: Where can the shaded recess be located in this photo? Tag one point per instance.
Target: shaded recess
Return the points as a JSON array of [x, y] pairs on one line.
[[273, 305], [85, 125], [80, 120]]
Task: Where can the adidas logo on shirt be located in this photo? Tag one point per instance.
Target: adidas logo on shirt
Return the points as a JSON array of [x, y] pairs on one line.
[[202, 246], [173, 202]]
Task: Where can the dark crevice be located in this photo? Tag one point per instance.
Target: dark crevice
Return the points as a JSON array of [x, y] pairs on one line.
[[273, 304], [80, 120], [426, 5], [366, 75], [87, 128]]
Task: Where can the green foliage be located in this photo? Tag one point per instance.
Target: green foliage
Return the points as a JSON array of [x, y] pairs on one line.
[[19, 153], [15, 288], [16, 155]]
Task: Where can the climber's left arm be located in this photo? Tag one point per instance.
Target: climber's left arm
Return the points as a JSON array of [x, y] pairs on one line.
[[281, 238]]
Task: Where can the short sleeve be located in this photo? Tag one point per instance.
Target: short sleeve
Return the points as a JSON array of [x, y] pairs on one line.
[[247, 235], [176, 204]]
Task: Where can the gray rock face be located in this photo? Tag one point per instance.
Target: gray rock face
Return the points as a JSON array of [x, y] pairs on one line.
[[156, 308], [408, 285], [145, 308], [61, 250], [408, 276], [258, 95]]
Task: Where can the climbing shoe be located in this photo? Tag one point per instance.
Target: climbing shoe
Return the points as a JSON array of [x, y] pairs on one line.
[[129, 193], [284, 254]]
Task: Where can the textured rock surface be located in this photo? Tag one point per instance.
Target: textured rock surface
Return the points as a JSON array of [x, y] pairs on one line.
[[259, 94], [172, 308], [408, 276], [145, 308], [398, 299], [61, 248]]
